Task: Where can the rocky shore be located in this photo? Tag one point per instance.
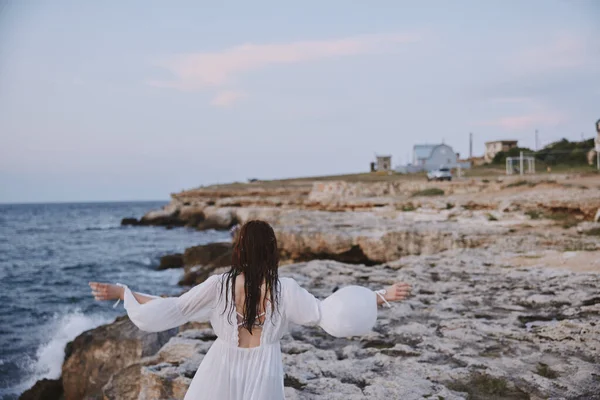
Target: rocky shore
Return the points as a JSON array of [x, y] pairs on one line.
[[505, 274]]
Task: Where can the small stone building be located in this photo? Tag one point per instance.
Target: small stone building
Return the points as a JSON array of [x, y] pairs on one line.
[[384, 163], [493, 148]]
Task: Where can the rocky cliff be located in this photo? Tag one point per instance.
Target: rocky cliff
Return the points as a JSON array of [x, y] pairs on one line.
[[375, 222], [505, 275], [476, 326]]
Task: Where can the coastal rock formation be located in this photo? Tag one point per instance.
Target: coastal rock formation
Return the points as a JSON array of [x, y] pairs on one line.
[[130, 221], [171, 261], [222, 206], [95, 355], [168, 374], [475, 327], [387, 234], [45, 389], [200, 261]]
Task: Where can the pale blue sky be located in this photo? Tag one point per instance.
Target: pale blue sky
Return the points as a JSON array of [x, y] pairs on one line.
[[137, 99]]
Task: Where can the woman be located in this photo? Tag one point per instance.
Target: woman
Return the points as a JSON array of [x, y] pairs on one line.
[[249, 308]]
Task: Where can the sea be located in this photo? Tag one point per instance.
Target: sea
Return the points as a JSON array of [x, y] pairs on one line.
[[49, 253]]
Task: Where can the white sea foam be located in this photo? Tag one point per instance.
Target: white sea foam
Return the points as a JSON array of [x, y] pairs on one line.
[[50, 355]]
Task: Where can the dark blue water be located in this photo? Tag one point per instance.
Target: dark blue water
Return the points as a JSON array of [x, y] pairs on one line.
[[48, 253]]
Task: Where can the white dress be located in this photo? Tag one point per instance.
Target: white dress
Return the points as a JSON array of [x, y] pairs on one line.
[[229, 372]]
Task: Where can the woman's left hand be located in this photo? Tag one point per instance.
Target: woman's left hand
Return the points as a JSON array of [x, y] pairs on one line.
[[398, 291], [106, 291]]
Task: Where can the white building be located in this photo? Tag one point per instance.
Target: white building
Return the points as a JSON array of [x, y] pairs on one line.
[[427, 157]]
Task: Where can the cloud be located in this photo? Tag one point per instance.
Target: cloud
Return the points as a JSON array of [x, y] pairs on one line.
[[524, 113], [526, 121], [226, 98], [514, 100], [563, 52], [198, 71]]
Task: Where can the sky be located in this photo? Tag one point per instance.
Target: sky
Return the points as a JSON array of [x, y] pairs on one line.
[[134, 100]]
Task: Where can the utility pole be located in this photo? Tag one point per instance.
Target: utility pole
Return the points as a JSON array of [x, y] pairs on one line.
[[470, 145], [536, 140], [597, 144]]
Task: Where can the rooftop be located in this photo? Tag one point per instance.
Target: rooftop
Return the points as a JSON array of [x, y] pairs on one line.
[[501, 141]]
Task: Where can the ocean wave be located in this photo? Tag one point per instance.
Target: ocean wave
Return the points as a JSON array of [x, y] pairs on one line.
[[79, 266], [147, 261], [102, 228], [50, 355]]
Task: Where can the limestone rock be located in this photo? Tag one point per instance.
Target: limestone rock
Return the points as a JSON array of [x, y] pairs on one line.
[[217, 218], [124, 384], [207, 254], [130, 221], [474, 328], [201, 261], [95, 355], [166, 375], [45, 389], [171, 261], [167, 216]]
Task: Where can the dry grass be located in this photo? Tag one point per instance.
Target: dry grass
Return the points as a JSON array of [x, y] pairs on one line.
[[481, 386], [429, 192]]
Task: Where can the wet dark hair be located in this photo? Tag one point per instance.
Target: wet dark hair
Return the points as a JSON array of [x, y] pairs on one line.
[[255, 255]]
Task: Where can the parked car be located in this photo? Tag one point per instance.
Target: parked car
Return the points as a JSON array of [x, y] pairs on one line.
[[442, 174]]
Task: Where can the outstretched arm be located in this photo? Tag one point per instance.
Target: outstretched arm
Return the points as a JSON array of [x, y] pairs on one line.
[[109, 291], [350, 311], [155, 314]]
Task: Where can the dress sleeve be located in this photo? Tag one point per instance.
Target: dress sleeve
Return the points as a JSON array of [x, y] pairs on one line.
[[351, 311], [161, 314]]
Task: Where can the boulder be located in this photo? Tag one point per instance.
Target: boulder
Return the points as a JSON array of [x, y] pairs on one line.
[[125, 385], [166, 375], [597, 217], [171, 261], [95, 355], [201, 261], [44, 389], [196, 275], [201, 218], [130, 221], [167, 216], [207, 254], [217, 218]]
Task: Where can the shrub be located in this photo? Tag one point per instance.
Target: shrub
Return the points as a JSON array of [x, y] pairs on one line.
[[593, 232], [520, 183], [533, 214], [545, 371], [407, 207], [483, 386], [491, 217], [429, 192]]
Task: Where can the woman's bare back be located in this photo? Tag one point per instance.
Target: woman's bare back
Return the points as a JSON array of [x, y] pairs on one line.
[[245, 338]]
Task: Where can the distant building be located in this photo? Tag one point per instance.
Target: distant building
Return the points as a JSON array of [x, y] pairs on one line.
[[428, 157], [384, 163], [433, 156], [493, 148], [475, 161]]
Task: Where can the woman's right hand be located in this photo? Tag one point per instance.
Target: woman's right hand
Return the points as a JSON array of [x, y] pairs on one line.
[[106, 291]]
